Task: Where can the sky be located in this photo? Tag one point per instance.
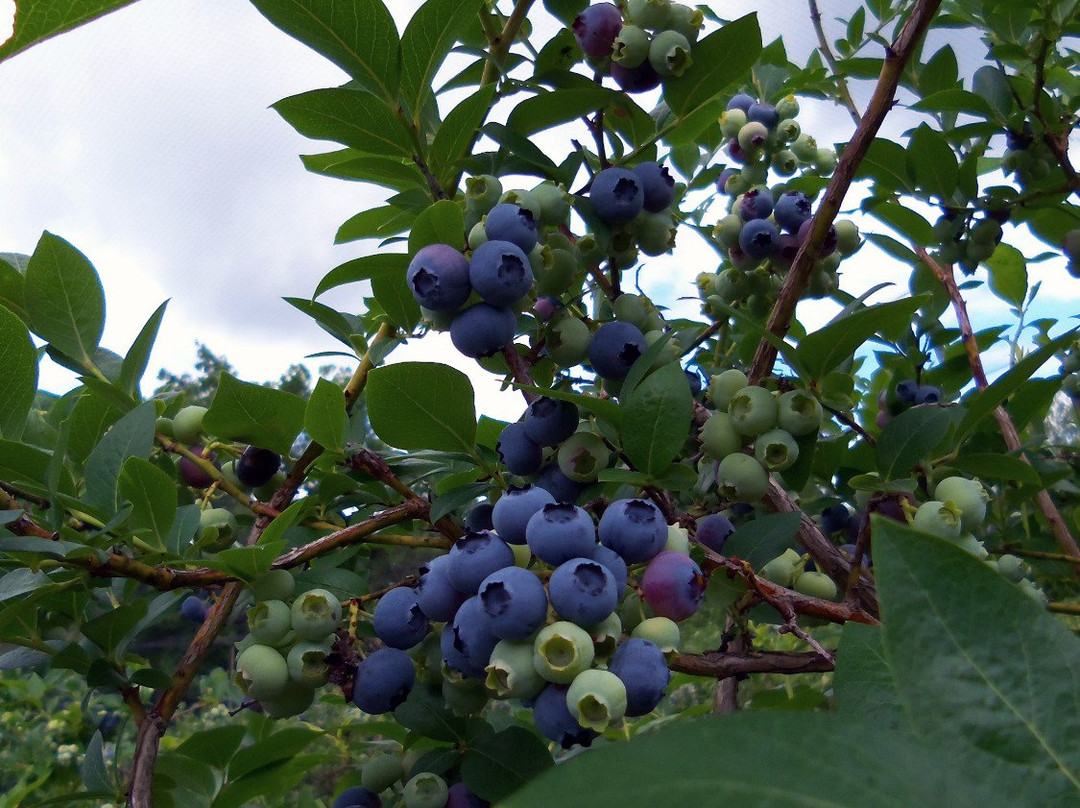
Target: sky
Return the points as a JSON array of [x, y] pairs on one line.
[[146, 139]]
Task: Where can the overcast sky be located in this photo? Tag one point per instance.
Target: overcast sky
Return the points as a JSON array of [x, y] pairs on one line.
[[145, 139]]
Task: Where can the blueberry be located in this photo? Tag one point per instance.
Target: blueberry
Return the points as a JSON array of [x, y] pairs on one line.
[[562, 650], [192, 474], [757, 203], [967, 495], [471, 639], [759, 239], [550, 421], [669, 53], [500, 272], [694, 378], [187, 424], [483, 330], [614, 348], [398, 619], [906, 390], [741, 478], [583, 456], [560, 531], [194, 609], [256, 467], [638, 79], [515, 508], [262, 672], [437, 597], [673, 585], [617, 195], [509, 222], [928, 394], [269, 621], [791, 210], [555, 721], [713, 530], [555, 481], [763, 113], [595, 29], [614, 563], [517, 451], [643, 669], [357, 797], [479, 518], [514, 601], [752, 138], [438, 277], [583, 591], [631, 46], [633, 528], [474, 557], [938, 518], [828, 247], [658, 185], [459, 796], [597, 699], [835, 518], [315, 614], [741, 101]]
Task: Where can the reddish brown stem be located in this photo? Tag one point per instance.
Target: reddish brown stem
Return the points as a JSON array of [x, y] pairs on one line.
[[726, 665]]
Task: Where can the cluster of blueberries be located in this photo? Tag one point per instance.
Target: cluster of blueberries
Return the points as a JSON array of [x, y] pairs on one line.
[[651, 44], [385, 770], [967, 241], [904, 395], [529, 602], [752, 431], [283, 659], [766, 226]]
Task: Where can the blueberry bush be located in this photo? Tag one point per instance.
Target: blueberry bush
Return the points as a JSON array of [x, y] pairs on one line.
[[717, 542]]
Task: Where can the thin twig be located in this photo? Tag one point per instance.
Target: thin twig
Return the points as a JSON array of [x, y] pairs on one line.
[[842, 90]]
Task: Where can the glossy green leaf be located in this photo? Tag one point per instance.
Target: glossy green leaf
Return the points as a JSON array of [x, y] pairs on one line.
[[359, 36], [41, 19], [1003, 675], [254, 414], [356, 119], [990, 83], [184, 527], [427, 40], [393, 295], [152, 494], [422, 405], [826, 348], [863, 682], [378, 222], [886, 164], [64, 298], [94, 774], [246, 563], [131, 436], [763, 538], [499, 763], [456, 134], [428, 715], [720, 60], [138, 355], [19, 360], [1008, 274], [996, 467], [441, 223], [352, 164], [324, 419], [933, 163], [110, 630], [214, 746], [909, 437], [12, 269], [362, 269], [277, 746], [656, 419]]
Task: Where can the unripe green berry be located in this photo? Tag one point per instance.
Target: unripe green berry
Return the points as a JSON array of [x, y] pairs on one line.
[[561, 651], [651, 14], [1012, 568], [464, 697], [188, 424], [753, 410], [967, 495], [816, 585], [731, 121], [633, 610], [606, 635], [478, 234], [847, 237], [524, 199], [554, 203], [724, 386], [669, 53], [597, 699], [776, 450], [753, 137], [274, 585], [986, 231], [785, 163], [425, 790], [633, 309], [217, 529], [805, 148], [655, 232], [262, 672], [741, 478], [583, 456], [799, 413], [315, 614], [824, 161], [938, 518], [686, 20], [780, 570], [787, 107], [631, 46], [269, 621], [307, 663], [381, 771], [293, 700], [719, 437], [670, 351], [511, 673], [732, 285], [727, 230], [678, 539], [164, 426], [567, 341], [662, 631]]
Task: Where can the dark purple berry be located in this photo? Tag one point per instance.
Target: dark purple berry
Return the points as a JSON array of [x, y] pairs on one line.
[[673, 585], [256, 467], [509, 222], [191, 474], [517, 451], [835, 518], [638, 79], [928, 394], [357, 797], [459, 796], [383, 681], [791, 210], [483, 330], [828, 247], [438, 277], [550, 421], [614, 348], [713, 530], [596, 28]]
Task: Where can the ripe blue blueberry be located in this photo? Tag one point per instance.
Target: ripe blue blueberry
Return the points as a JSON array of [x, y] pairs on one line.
[[509, 222], [483, 330], [357, 797], [500, 272], [673, 585], [658, 185], [928, 394], [438, 277], [713, 530], [583, 591], [471, 639], [763, 113], [517, 451], [383, 681], [906, 390], [555, 721], [398, 619], [614, 348], [459, 796], [643, 669], [633, 528], [561, 487], [474, 557], [638, 79], [514, 510], [791, 210], [437, 597], [595, 29], [479, 517], [560, 531], [194, 609], [514, 601], [741, 101], [615, 564], [759, 239], [617, 195], [549, 421], [835, 518], [757, 203]]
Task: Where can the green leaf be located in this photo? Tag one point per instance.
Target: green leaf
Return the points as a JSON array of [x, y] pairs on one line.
[[455, 498], [983, 402], [38, 20], [254, 414], [764, 538], [246, 563], [990, 84], [720, 59], [64, 298], [134, 366], [283, 521], [94, 774], [359, 36], [886, 164], [656, 419], [363, 269], [214, 746], [351, 164], [427, 40], [131, 436], [933, 163], [285, 743], [955, 100], [152, 494], [910, 437], [273, 781], [19, 360], [559, 106], [378, 222], [456, 134], [112, 629], [185, 524], [356, 119], [12, 268], [428, 715], [422, 405], [441, 223], [1003, 676], [763, 759], [1008, 274], [565, 11], [996, 467], [864, 682], [826, 348], [604, 409], [393, 294], [499, 763], [324, 419]]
